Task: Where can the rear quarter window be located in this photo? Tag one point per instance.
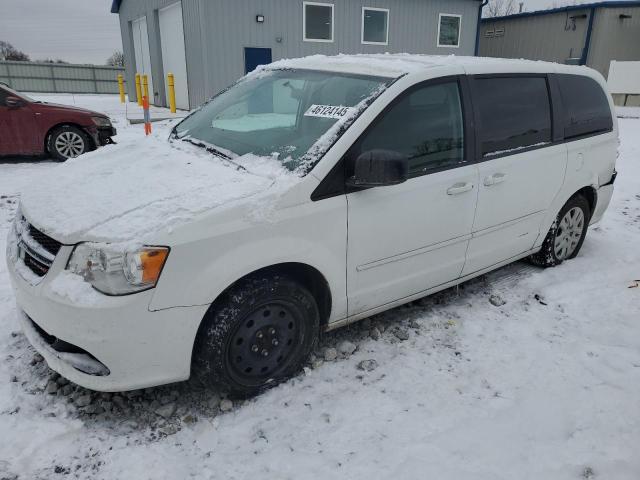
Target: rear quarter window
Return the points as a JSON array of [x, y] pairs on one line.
[[586, 107]]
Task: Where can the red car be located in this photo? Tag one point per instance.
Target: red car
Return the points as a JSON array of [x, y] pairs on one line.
[[29, 127]]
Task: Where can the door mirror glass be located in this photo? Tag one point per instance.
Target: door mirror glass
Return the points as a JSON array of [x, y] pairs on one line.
[[14, 102], [378, 168]]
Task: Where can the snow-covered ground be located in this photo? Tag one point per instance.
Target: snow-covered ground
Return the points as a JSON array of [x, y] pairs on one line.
[[521, 374]]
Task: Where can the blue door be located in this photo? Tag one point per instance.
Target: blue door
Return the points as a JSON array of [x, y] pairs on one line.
[[253, 57]]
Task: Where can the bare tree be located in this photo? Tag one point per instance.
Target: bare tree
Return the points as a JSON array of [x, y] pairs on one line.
[[500, 8], [9, 52], [116, 60], [51, 60]]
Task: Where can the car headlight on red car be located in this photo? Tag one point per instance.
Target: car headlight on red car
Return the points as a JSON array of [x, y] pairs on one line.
[[116, 272], [101, 121]]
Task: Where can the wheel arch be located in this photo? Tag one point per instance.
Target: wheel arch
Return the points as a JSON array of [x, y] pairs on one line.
[[588, 191], [309, 277], [590, 194]]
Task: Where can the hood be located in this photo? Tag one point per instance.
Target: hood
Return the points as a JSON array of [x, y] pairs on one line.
[[130, 191], [59, 106]]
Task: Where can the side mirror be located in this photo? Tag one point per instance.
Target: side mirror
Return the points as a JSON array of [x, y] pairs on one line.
[[378, 168], [14, 102]]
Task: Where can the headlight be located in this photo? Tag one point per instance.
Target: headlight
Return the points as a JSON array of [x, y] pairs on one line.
[[101, 121], [114, 272]]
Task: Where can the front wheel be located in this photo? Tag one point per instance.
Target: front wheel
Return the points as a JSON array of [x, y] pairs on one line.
[[567, 234], [67, 142], [257, 335]]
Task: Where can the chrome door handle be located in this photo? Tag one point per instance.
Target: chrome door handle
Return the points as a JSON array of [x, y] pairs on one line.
[[459, 188], [494, 179]]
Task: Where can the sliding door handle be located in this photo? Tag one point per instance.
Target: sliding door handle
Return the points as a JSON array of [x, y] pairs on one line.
[[494, 179], [459, 188]]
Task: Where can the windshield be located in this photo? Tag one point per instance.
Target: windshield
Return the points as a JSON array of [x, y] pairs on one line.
[[292, 115]]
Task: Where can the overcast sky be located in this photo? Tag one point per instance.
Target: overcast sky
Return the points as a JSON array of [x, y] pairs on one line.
[[83, 31]]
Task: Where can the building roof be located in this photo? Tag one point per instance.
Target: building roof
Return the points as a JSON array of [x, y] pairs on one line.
[[115, 5], [584, 6]]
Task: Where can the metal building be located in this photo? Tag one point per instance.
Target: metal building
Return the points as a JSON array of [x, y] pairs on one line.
[[208, 44], [590, 34]]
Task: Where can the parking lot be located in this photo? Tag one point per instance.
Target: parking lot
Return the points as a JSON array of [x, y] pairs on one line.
[[521, 373]]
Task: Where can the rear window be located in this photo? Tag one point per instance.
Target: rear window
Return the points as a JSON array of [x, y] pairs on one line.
[[514, 114], [586, 106]]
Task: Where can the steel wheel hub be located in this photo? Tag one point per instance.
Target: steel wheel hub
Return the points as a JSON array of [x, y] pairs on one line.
[[69, 144], [263, 342], [569, 233]]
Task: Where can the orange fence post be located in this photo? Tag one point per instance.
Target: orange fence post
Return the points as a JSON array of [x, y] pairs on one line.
[[147, 116]]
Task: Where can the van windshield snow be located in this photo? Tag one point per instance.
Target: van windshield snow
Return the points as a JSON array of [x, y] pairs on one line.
[[295, 115]]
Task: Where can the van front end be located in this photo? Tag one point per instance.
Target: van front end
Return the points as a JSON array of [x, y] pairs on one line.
[[113, 343]]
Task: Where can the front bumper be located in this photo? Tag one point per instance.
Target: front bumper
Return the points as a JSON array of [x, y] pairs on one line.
[[139, 348], [102, 135]]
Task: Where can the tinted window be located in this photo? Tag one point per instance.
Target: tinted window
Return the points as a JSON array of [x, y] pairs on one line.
[[425, 125], [3, 96], [586, 106], [318, 22], [514, 113]]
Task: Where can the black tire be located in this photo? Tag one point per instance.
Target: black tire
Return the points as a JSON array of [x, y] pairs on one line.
[[548, 256], [67, 141], [258, 334]]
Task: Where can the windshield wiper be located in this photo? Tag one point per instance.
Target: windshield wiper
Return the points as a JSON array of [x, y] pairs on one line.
[[214, 151], [207, 147]]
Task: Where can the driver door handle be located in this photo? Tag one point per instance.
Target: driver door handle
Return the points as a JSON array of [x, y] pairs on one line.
[[494, 179], [459, 188]]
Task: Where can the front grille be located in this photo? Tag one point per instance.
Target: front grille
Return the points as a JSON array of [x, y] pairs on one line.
[[37, 250], [36, 266], [49, 244]]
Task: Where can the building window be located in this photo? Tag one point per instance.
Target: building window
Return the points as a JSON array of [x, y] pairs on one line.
[[375, 26], [449, 30], [317, 22]]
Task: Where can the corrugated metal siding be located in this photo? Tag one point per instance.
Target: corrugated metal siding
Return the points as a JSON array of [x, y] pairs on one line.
[[614, 38], [59, 78], [216, 32], [544, 37]]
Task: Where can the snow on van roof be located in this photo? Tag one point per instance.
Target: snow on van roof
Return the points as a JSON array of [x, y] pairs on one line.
[[398, 64]]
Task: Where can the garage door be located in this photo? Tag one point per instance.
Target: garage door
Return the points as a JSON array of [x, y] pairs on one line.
[[173, 52], [141, 48]]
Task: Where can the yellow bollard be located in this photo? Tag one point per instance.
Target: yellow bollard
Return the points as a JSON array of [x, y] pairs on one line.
[[138, 89], [172, 93], [145, 85], [121, 88]]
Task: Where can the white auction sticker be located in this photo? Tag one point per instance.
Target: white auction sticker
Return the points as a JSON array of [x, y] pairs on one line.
[[328, 111]]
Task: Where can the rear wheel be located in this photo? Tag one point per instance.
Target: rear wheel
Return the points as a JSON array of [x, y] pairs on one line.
[[67, 142], [259, 334], [567, 234]]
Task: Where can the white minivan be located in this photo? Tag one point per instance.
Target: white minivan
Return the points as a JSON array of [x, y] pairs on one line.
[[312, 193]]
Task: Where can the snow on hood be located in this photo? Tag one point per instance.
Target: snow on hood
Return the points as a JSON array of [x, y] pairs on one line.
[[128, 192]]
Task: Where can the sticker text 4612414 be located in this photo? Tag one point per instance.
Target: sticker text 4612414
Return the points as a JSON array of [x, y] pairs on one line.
[[328, 111]]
